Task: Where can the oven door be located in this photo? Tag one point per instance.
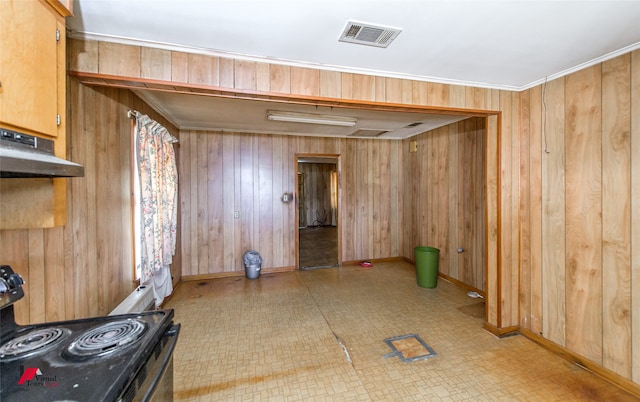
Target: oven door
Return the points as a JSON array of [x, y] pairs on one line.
[[154, 381]]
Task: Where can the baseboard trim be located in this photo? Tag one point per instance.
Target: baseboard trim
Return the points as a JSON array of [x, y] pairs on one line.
[[501, 332], [461, 284], [373, 261], [575, 358]]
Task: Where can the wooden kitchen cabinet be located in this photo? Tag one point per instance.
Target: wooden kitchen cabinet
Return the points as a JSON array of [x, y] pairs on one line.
[[33, 101], [32, 43]]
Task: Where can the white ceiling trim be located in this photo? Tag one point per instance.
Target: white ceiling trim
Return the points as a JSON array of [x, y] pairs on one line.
[[259, 59], [273, 60], [584, 65]]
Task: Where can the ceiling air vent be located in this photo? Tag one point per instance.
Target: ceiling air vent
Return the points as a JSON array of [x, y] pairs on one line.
[[367, 34], [416, 124], [364, 132]]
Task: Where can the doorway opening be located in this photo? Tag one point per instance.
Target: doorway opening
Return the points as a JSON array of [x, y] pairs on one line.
[[318, 214]]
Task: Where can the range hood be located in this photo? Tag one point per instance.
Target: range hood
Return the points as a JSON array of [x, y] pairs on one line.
[[26, 156]]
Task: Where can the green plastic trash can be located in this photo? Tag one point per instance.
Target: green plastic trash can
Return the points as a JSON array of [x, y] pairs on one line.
[[427, 266]]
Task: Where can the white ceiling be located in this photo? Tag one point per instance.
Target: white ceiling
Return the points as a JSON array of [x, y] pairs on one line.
[[497, 44]]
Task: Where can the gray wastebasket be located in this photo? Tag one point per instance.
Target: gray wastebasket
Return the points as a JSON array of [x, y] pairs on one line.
[[427, 266], [252, 264]]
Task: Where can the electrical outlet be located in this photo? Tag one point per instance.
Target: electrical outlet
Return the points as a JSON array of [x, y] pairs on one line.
[[236, 214]]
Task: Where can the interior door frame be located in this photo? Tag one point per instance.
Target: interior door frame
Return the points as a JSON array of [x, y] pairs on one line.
[[338, 162]]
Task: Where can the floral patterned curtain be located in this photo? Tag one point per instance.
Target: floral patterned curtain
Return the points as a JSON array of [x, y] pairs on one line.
[[158, 198]]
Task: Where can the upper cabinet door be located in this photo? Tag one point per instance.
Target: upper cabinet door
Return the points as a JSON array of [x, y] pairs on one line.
[[28, 67]]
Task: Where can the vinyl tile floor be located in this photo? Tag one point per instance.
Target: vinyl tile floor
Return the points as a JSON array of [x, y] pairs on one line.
[[319, 335]]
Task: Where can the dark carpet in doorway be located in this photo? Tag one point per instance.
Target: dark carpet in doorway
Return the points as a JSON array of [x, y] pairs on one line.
[[409, 348], [475, 310]]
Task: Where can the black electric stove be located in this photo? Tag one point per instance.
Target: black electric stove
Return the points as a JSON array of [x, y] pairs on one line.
[[113, 358]]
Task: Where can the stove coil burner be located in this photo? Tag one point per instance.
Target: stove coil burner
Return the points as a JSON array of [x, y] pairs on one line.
[[33, 342], [107, 338]]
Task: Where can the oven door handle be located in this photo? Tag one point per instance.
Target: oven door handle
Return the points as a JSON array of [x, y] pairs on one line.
[[173, 333]]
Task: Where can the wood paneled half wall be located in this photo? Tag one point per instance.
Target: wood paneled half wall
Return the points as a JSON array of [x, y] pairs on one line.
[[85, 268]]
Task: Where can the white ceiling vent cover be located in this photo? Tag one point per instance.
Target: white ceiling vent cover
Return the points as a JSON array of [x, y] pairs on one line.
[[368, 132], [368, 34]]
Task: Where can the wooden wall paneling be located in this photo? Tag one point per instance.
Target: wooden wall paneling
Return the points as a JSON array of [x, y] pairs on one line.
[[192, 209], [364, 87], [82, 55], [280, 78], [419, 93], [479, 195], [584, 209], [36, 285], [184, 189], [553, 212], [102, 203], [349, 194], [122, 158], [371, 170], [215, 201], [616, 219], [404, 204], [438, 94], [426, 163], [465, 203], [383, 193], [512, 114], [635, 213], [291, 149], [408, 210], [54, 276], [78, 203], [455, 199], [456, 96], [305, 81], [395, 197], [202, 200], [257, 200], [70, 284], [91, 172], [346, 86], [414, 175], [441, 193], [279, 187], [393, 90], [269, 200], [244, 151], [118, 59], [492, 224], [229, 191], [179, 67], [203, 70], [330, 84], [506, 253], [407, 91], [245, 75], [155, 64], [226, 70], [380, 89], [111, 205], [535, 205], [289, 177], [263, 77], [477, 98], [446, 208], [528, 214], [365, 191]]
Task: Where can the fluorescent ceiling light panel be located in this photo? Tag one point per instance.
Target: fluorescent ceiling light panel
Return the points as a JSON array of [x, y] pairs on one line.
[[308, 118]]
